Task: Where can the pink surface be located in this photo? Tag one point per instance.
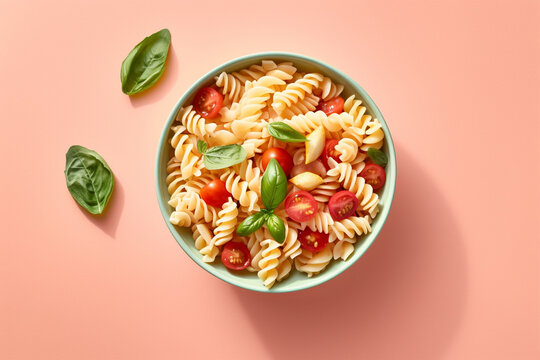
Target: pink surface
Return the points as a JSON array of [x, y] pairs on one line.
[[453, 275]]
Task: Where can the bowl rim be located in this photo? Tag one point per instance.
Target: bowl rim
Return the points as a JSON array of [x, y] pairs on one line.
[[287, 56]]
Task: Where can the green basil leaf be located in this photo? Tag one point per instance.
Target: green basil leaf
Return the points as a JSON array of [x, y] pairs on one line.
[[145, 63], [220, 157], [377, 156], [276, 228], [89, 179], [251, 224], [273, 185], [201, 146], [284, 132]]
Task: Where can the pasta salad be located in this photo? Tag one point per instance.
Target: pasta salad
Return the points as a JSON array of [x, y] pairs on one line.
[[274, 171]]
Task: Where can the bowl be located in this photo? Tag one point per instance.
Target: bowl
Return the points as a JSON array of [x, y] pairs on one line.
[[297, 280]]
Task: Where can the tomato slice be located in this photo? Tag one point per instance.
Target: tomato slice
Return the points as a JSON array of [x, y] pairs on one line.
[[332, 106], [301, 206], [235, 255], [313, 241], [207, 103], [374, 175], [215, 193], [330, 151], [342, 205], [283, 158]]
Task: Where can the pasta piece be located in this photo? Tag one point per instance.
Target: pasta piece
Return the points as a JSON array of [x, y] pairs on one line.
[[255, 249], [321, 222], [348, 149], [181, 218], [311, 263], [269, 262], [344, 248], [350, 227], [356, 134], [356, 110], [348, 177], [231, 88], [174, 176], [223, 233], [312, 120], [324, 192], [195, 123], [374, 135], [248, 171], [254, 72], [295, 91], [192, 202], [283, 71], [253, 101], [239, 190], [284, 268], [291, 245], [328, 90], [202, 235], [308, 103], [184, 152]]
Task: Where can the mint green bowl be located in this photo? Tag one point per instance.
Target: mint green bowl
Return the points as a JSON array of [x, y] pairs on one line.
[[297, 280]]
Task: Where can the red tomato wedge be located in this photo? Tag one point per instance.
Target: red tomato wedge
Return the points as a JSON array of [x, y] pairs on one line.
[[332, 106], [283, 158], [301, 206], [215, 193], [312, 240], [342, 205], [207, 103], [330, 151], [374, 175], [235, 255]]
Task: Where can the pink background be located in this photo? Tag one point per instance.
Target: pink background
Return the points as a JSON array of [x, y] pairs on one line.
[[453, 275]]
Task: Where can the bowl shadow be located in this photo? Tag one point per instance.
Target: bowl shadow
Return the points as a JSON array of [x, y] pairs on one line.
[[404, 299], [109, 219]]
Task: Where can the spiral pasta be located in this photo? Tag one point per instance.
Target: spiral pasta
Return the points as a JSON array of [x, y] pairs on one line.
[[194, 122], [350, 227], [231, 87], [239, 190], [348, 177], [328, 89], [308, 122], [302, 106], [311, 263], [295, 91], [344, 248], [348, 149], [269, 262], [226, 225]]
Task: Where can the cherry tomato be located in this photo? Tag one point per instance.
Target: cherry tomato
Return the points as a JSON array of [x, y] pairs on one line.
[[374, 175], [342, 205], [332, 106], [215, 193], [301, 206], [312, 240], [235, 255], [330, 151], [283, 158], [208, 102]]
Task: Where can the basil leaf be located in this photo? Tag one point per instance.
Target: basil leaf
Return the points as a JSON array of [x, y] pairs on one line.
[[145, 63], [273, 185], [220, 157], [201, 146], [89, 179], [377, 156], [284, 132], [276, 228], [251, 224]]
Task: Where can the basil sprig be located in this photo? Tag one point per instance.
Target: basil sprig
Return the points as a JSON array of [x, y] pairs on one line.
[[145, 64], [220, 157], [273, 192], [377, 156], [89, 179], [284, 132]]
